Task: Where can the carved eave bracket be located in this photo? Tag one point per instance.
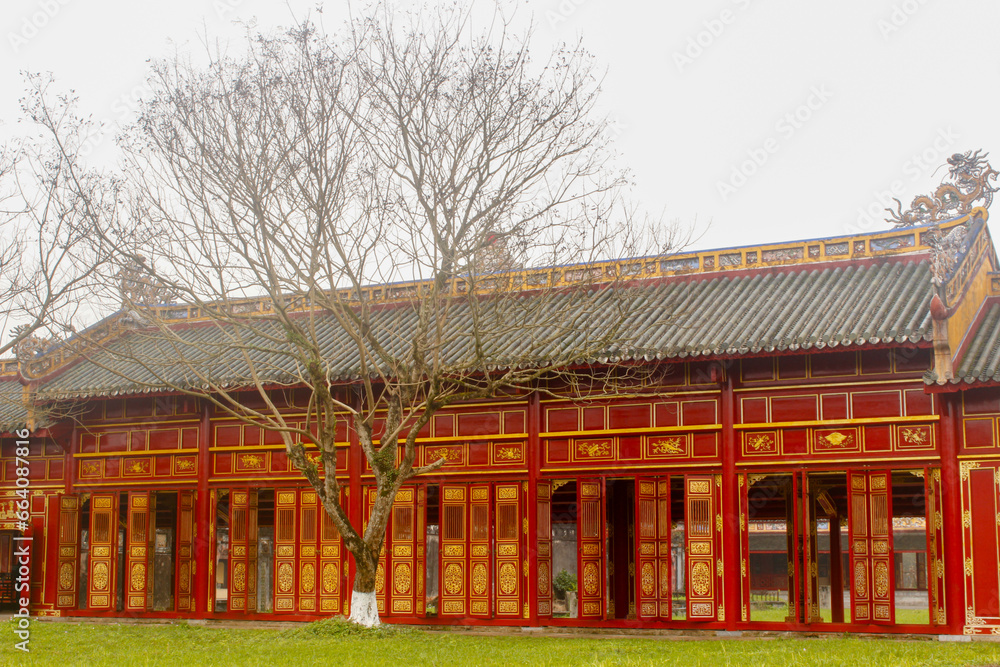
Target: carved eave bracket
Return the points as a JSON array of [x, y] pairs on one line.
[[943, 365]]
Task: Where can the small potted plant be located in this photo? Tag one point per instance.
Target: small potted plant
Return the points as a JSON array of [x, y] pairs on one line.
[[565, 583]]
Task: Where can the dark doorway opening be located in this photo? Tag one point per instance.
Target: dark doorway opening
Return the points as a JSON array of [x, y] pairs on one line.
[[621, 547], [564, 549], [432, 561], [165, 530]]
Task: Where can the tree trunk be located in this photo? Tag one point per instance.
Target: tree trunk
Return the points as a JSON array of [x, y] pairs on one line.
[[364, 608]]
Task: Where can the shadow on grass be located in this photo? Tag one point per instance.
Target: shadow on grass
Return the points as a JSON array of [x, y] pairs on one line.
[[341, 627]]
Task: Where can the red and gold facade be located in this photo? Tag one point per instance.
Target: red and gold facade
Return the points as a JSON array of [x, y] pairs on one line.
[[829, 490]]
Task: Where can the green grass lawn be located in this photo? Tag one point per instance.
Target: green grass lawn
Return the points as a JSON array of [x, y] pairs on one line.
[[329, 643], [778, 614]]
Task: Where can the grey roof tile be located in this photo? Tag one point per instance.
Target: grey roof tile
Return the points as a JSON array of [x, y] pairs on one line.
[[796, 308], [13, 413]]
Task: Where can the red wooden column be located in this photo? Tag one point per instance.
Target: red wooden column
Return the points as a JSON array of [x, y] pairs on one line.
[[730, 506], [951, 494], [203, 539], [534, 458]]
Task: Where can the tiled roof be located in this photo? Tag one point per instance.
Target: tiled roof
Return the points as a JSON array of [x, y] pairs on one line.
[[704, 315], [13, 414], [981, 360]]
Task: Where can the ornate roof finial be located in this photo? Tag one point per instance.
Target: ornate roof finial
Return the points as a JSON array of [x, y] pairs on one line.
[[30, 347], [139, 288], [967, 185]]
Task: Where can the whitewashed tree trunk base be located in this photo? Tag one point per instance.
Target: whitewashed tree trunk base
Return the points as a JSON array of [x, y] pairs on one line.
[[364, 609]]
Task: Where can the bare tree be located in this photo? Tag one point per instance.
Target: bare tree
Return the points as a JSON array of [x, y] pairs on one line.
[[48, 254], [354, 219]]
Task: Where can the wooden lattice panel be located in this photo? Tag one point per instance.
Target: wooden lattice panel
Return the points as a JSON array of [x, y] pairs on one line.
[[403, 558], [331, 557], [935, 545], [543, 506], [307, 567], [184, 584], [243, 550], [590, 541], [103, 551], [702, 535], [653, 554], [480, 568], [508, 546], [454, 550], [68, 552], [139, 550], [286, 546], [872, 566]]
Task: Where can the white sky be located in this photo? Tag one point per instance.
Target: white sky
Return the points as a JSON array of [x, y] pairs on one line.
[[895, 87]]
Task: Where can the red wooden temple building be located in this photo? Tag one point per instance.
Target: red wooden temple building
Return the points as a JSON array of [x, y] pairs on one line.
[[819, 451]]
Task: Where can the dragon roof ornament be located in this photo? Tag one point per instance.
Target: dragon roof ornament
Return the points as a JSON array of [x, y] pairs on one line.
[[139, 288], [30, 346], [967, 185]]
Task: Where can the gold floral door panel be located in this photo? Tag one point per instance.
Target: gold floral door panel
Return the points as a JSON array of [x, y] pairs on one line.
[[480, 565], [404, 561], [183, 586], [652, 539], [328, 555], [483, 572], [308, 568], [702, 535], [318, 579], [420, 560], [69, 551], [543, 506], [509, 563], [103, 551], [285, 546], [243, 550], [935, 544], [139, 550], [454, 559], [590, 542], [872, 566]]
